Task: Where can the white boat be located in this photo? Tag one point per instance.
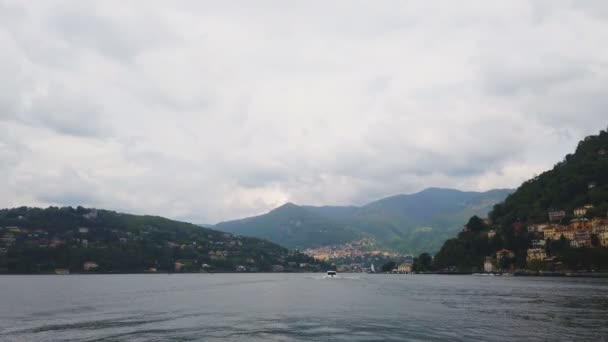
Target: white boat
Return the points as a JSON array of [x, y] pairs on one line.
[[372, 269], [331, 274]]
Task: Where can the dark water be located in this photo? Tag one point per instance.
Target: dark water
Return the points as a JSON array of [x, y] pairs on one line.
[[301, 307]]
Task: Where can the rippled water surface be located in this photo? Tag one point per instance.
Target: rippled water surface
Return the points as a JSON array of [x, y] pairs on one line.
[[301, 307]]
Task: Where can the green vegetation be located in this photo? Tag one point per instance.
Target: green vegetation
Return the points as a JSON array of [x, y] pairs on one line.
[[34, 240], [580, 179], [423, 263], [402, 223], [293, 226], [389, 266]]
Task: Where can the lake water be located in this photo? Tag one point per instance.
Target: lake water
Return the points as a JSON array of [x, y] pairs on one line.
[[301, 307]]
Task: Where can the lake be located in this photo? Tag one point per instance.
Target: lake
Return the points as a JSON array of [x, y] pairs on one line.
[[301, 307]]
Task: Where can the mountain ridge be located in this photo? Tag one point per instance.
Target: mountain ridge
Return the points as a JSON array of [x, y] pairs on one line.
[[392, 221]]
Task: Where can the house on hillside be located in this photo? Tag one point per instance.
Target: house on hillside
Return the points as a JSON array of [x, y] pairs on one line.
[[556, 215], [504, 253], [537, 228], [536, 254], [603, 237], [578, 212], [538, 243], [548, 233]]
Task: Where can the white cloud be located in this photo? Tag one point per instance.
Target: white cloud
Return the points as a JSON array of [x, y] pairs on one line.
[[205, 111]]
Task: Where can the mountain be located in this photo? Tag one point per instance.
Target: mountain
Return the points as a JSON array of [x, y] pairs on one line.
[[403, 223], [34, 240], [580, 180], [295, 226]]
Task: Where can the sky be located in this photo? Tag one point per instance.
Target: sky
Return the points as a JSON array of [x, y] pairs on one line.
[[207, 111]]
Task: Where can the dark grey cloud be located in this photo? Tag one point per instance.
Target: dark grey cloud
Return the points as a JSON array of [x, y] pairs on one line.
[[210, 111]]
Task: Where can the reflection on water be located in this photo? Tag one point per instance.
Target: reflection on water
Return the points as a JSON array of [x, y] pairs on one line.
[[301, 307]]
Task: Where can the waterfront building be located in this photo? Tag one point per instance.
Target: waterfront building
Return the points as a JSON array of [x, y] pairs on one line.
[[89, 265], [405, 268], [488, 265]]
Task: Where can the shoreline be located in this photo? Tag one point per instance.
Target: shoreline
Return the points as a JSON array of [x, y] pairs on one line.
[[497, 274]]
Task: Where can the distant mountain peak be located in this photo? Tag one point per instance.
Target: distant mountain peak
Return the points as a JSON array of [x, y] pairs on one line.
[[288, 205]]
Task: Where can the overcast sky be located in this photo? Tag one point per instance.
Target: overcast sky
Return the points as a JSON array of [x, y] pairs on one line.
[[208, 111]]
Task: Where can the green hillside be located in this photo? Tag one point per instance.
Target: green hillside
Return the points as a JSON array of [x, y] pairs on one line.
[[293, 226], [581, 179], [403, 223], [34, 240]]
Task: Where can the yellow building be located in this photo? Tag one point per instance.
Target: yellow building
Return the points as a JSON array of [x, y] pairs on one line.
[[568, 234], [404, 268], [603, 237], [549, 233], [536, 254]]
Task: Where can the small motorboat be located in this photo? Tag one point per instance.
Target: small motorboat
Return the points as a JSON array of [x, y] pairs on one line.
[[331, 274]]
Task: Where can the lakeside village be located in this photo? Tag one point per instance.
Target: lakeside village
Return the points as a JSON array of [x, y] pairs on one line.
[[358, 256], [580, 232]]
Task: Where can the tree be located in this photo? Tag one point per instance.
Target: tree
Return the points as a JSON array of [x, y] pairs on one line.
[[475, 224], [423, 263], [389, 266]]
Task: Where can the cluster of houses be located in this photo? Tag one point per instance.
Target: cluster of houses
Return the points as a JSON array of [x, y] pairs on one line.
[[353, 249], [579, 232]]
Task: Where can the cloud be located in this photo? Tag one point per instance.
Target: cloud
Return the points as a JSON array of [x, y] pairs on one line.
[[207, 112]]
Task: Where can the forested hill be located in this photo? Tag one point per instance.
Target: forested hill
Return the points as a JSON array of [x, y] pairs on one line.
[[580, 179], [34, 240], [574, 193]]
